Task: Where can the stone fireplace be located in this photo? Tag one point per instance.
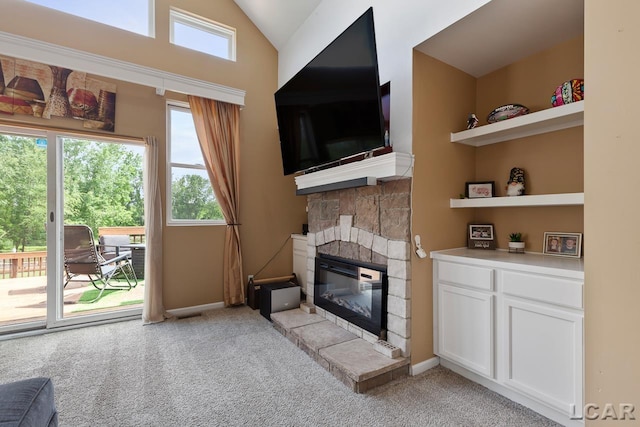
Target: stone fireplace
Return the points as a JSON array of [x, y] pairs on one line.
[[371, 225]]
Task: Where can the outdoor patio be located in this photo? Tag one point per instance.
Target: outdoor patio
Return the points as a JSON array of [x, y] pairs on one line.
[[23, 280], [24, 299]]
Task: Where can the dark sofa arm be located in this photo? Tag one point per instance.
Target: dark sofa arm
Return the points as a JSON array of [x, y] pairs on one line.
[[28, 403]]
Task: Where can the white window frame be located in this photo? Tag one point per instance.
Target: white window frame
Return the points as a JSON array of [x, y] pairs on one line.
[[171, 104], [206, 25]]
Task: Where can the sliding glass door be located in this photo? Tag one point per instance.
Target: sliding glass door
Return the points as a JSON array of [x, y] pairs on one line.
[[102, 183], [49, 180], [23, 229]]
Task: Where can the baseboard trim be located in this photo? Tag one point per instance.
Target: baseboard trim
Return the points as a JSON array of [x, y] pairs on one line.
[[523, 400], [196, 309], [421, 367]]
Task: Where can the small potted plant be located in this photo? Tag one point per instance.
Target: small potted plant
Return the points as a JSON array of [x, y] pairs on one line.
[[516, 245]]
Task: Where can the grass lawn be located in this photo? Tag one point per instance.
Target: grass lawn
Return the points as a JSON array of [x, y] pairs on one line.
[[110, 297]]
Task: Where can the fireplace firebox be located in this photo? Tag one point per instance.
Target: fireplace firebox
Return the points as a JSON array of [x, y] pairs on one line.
[[353, 290]]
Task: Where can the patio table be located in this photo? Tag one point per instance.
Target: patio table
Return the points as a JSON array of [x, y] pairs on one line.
[[137, 257]]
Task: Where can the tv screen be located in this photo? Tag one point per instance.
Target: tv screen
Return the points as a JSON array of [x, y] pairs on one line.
[[331, 108]]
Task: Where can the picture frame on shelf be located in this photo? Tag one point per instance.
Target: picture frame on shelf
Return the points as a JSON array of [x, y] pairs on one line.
[[481, 236], [562, 244], [480, 189]]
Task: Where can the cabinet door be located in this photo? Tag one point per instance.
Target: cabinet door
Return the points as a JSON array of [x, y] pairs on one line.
[[543, 353], [465, 328]]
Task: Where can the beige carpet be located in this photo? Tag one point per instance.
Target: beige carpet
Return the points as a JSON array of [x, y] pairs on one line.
[[229, 367]]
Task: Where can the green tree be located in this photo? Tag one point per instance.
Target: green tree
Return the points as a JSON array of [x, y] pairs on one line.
[[23, 192], [193, 198], [103, 184], [102, 187]]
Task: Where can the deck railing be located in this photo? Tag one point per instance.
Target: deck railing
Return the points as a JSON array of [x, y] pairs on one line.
[[136, 233], [23, 264], [29, 264]]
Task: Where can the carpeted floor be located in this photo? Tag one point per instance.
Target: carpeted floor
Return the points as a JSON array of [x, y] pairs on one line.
[[230, 367]]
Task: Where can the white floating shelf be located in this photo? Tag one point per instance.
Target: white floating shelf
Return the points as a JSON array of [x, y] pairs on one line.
[[549, 120], [564, 199]]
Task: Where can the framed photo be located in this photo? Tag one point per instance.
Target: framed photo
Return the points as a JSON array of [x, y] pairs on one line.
[[481, 236], [562, 244], [476, 190]]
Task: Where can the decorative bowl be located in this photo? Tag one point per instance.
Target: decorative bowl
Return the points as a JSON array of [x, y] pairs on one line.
[[505, 112]]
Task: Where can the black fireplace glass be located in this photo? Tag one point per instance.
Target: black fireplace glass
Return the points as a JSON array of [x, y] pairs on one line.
[[353, 290]]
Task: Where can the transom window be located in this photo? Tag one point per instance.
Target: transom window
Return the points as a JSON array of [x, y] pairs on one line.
[[190, 198], [136, 16], [197, 33]]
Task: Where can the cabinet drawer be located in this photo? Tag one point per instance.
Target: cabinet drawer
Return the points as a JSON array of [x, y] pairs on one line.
[[554, 290], [466, 275]]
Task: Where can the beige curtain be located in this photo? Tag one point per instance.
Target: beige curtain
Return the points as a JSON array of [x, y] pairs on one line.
[[153, 307], [218, 128]]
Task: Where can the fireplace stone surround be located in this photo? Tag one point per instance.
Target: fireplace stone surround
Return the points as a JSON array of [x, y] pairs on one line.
[[370, 224]]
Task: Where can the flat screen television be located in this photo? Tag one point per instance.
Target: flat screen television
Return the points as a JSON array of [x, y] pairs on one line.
[[331, 109]]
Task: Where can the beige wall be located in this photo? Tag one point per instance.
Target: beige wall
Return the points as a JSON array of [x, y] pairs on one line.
[[612, 210], [270, 211], [553, 162], [443, 97]]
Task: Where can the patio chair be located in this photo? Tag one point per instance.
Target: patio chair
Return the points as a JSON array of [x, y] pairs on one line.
[[81, 258]]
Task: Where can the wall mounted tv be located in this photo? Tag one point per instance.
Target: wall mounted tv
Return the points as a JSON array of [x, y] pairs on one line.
[[331, 109]]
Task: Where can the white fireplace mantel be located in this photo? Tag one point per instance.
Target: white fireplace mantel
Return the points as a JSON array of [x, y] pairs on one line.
[[386, 167]]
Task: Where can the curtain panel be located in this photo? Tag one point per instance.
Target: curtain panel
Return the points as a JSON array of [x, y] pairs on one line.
[[153, 307], [218, 128]]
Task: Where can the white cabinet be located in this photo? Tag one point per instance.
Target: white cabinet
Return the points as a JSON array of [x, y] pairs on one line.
[[465, 328], [514, 323], [543, 353], [543, 333], [300, 259], [465, 316]]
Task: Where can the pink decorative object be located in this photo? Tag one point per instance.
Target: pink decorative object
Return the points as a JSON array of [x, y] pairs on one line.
[[567, 92]]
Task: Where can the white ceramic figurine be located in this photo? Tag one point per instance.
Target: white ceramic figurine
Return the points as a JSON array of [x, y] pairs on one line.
[[515, 185]]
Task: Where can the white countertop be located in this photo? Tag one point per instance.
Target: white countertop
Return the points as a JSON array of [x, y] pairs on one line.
[[534, 262]]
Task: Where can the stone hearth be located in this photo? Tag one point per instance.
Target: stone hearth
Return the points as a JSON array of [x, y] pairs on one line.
[[370, 224], [347, 357]]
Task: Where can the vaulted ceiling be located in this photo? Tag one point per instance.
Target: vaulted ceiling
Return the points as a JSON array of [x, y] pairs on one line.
[[491, 37], [278, 19]]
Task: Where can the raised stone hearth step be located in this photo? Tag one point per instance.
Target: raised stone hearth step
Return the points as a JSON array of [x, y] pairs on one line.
[[316, 336], [285, 323], [349, 358]]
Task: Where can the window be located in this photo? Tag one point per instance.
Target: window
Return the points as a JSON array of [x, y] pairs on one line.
[[190, 196], [197, 33], [132, 15]]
